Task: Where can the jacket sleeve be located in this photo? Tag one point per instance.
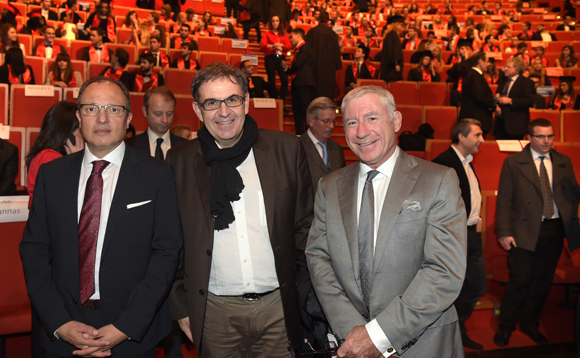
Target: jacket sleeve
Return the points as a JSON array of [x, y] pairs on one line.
[[505, 196], [526, 100]]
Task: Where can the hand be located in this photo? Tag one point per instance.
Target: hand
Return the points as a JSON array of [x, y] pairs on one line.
[[497, 110], [184, 325], [63, 32], [505, 100], [79, 145], [479, 226], [284, 65], [358, 344], [81, 336], [398, 68], [109, 333], [507, 242]]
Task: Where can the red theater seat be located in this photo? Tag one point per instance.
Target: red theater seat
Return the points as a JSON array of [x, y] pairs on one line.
[[433, 93], [76, 49], [77, 65], [487, 165], [18, 138], [4, 104], [380, 83], [268, 118], [139, 121], [434, 147], [208, 44], [226, 46], [441, 119], [23, 114], [123, 34], [412, 117], [571, 126], [26, 40], [38, 65], [494, 255], [131, 49], [550, 114], [184, 113], [207, 58], [404, 92], [573, 151], [179, 80], [235, 60], [96, 68]]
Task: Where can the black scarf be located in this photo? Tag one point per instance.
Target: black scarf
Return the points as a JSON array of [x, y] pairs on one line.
[[226, 182]]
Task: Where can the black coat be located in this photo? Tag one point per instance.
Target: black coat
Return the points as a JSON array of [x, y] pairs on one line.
[[303, 68], [140, 142], [391, 55], [326, 59], [364, 74], [477, 100], [516, 116], [416, 75], [538, 37], [8, 168], [259, 86]]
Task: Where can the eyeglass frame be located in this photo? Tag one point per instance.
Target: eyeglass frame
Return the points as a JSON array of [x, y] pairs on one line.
[[101, 107], [202, 104], [327, 122], [542, 137]]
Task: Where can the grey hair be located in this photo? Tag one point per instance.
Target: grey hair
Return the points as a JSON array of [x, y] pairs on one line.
[[519, 64], [318, 104], [386, 98], [463, 126]]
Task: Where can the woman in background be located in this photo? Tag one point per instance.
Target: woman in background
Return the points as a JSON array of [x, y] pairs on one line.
[[567, 58], [62, 74], [9, 38], [14, 70]]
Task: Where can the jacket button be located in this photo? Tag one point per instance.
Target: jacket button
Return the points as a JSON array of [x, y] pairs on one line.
[[208, 252], [201, 292], [75, 300]]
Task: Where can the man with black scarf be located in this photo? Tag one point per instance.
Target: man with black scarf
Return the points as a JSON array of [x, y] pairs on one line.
[[246, 202]]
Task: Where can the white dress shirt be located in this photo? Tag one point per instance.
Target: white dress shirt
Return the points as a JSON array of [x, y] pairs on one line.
[[165, 146], [474, 192], [380, 187], [242, 257], [110, 175], [48, 51], [548, 164], [315, 141]]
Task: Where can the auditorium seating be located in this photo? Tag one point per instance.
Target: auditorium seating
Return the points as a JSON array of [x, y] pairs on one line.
[[226, 46], [433, 93], [268, 118], [571, 126], [412, 117], [131, 49], [4, 96], [26, 40], [442, 119], [57, 41], [38, 68], [184, 113], [208, 44], [77, 65], [404, 92], [18, 138], [207, 58], [551, 115], [77, 47], [23, 114], [96, 68], [179, 80], [139, 121]]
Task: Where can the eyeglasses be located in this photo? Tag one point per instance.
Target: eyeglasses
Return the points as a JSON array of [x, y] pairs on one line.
[[327, 122], [542, 137], [112, 110], [212, 104]]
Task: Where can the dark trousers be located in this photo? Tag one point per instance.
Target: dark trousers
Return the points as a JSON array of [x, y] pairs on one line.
[[252, 24], [301, 97], [273, 65], [475, 282], [232, 5], [501, 133], [530, 277], [172, 343]]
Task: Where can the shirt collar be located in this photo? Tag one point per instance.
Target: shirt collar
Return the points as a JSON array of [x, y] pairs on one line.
[[464, 160], [478, 70], [115, 157], [153, 137], [536, 155], [386, 168]]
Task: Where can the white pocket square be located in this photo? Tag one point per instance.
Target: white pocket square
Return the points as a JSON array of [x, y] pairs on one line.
[[134, 205], [410, 206]]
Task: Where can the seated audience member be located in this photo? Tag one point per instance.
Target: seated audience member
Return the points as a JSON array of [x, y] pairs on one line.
[[207, 18], [14, 70], [97, 51], [491, 75], [512, 47], [34, 24], [202, 29], [425, 71], [348, 39], [411, 40], [542, 34], [566, 25], [527, 33], [521, 50], [103, 18], [62, 74], [229, 32], [131, 21], [71, 8], [161, 33], [295, 19], [315, 19], [63, 30], [139, 37], [437, 57], [184, 32], [182, 131], [256, 84], [540, 54], [144, 79], [538, 70], [416, 56], [153, 20], [483, 9], [185, 61], [166, 13], [190, 16], [489, 45], [117, 71], [8, 168], [179, 21], [46, 12], [368, 40], [567, 58], [565, 97], [9, 38], [160, 59], [59, 125], [539, 100], [48, 49], [307, 10], [361, 68]]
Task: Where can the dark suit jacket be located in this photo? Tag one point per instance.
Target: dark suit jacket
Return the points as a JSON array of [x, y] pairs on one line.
[[87, 57], [75, 17], [349, 75], [140, 142], [416, 75], [317, 167], [52, 15], [8, 168], [477, 100], [259, 87], [326, 59], [287, 189], [139, 259], [302, 67], [174, 64], [450, 159], [519, 199], [561, 28], [538, 37], [516, 116]]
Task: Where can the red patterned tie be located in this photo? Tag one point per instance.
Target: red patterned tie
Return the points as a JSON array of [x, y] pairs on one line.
[[89, 229]]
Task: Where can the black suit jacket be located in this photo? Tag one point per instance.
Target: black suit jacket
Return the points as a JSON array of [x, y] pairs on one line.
[[140, 142], [302, 67], [259, 87], [538, 37], [516, 116], [52, 15], [349, 75], [87, 57], [477, 100], [450, 159], [75, 17], [317, 167], [561, 28], [288, 198], [139, 260], [416, 75], [8, 168]]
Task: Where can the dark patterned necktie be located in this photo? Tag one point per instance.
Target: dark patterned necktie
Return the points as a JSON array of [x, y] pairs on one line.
[[89, 229], [548, 211], [158, 150], [366, 237]]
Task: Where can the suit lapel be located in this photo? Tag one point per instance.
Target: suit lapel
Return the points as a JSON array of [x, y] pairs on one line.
[[128, 175], [528, 168], [347, 190], [405, 175], [311, 147], [70, 194], [267, 180]]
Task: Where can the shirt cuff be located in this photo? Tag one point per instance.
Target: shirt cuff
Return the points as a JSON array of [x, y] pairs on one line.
[[379, 338]]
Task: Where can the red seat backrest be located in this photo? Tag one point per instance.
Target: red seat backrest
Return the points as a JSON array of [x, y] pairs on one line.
[[442, 119], [178, 80], [487, 165], [268, 118], [412, 117], [404, 92], [571, 126], [38, 67], [433, 93], [184, 113], [23, 114], [226, 46]]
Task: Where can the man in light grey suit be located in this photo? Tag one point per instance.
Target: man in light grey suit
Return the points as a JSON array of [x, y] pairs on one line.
[[324, 154], [387, 278]]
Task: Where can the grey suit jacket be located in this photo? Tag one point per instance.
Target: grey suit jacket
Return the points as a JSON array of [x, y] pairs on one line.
[[419, 262], [317, 167]]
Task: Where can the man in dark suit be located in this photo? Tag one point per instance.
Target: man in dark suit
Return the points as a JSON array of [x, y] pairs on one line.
[[537, 206], [250, 192], [97, 51], [8, 168], [476, 97], [48, 49], [46, 12], [360, 68], [324, 154], [158, 108], [514, 95], [256, 84], [542, 34], [566, 25], [101, 246], [303, 84], [466, 137]]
